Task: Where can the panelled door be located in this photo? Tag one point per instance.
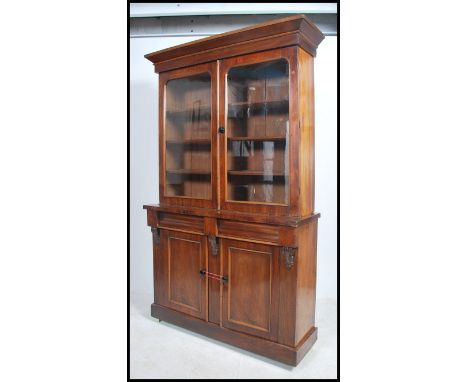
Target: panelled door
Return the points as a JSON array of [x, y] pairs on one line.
[[188, 136], [251, 292], [182, 288], [258, 119]]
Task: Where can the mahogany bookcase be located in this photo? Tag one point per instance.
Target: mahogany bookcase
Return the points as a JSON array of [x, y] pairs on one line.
[[235, 233]]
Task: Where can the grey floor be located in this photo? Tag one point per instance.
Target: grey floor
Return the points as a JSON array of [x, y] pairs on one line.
[[163, 350]]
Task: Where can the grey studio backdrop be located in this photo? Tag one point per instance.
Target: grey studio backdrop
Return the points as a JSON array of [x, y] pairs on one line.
[[148, 34]]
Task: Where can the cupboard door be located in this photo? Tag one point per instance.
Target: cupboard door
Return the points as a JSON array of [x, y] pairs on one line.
[[188, 147], [250, 295], [185, 255], [257, 99]]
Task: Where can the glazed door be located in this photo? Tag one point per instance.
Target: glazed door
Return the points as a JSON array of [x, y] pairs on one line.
[[257, 103], [250, 295], [183, 289], [188, 137]]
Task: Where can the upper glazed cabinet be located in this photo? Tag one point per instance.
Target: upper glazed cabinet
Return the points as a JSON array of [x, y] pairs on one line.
[[255, 147], [188, 163], [236, 132]]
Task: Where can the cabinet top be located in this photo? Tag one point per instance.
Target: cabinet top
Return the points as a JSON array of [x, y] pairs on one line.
[[294, 30]]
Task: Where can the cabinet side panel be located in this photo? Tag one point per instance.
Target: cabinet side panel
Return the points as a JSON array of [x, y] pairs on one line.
[[160, 266], [306, 279], [307, 152], [287, 303], [156, 269]]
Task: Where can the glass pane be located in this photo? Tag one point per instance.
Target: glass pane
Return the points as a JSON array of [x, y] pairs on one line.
[[257, 132], [188, 137]]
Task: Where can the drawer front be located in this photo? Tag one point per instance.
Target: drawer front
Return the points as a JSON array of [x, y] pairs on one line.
[[257, 232], [181, 222]]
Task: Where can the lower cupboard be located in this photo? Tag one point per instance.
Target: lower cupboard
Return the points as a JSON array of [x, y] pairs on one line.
[[258, 296]]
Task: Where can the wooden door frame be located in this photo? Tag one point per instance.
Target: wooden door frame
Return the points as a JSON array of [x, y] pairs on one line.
[[290, 54], [272, 334], [164, 283], [212, 69]]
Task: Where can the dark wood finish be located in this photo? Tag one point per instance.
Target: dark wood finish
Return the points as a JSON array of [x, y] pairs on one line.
[[214, 286], [272, 234], [306, 265], [181, 222], [250, 206], [152, 216], [292, 221], [262, 44], [307, 141], [158, 265], [210, 68], [293, 30], [182, 287], [249, 231], [282, 353], [253, 280], [240, 269], [287, 298]]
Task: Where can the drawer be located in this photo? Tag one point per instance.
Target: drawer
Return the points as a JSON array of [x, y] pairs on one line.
[[252, 231], [181, 222]]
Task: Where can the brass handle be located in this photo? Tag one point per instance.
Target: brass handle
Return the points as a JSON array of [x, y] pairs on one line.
[[214, 276]]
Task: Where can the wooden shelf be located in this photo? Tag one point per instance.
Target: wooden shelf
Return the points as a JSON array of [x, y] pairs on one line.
[[254, 173], [277, 138], [189, 172], [259, 103], [188, 141], [239, 109], [205, 112], [201, 107]]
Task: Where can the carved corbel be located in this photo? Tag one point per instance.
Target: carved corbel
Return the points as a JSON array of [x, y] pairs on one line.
[[213, 245], [156, 235], [289, 256]]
